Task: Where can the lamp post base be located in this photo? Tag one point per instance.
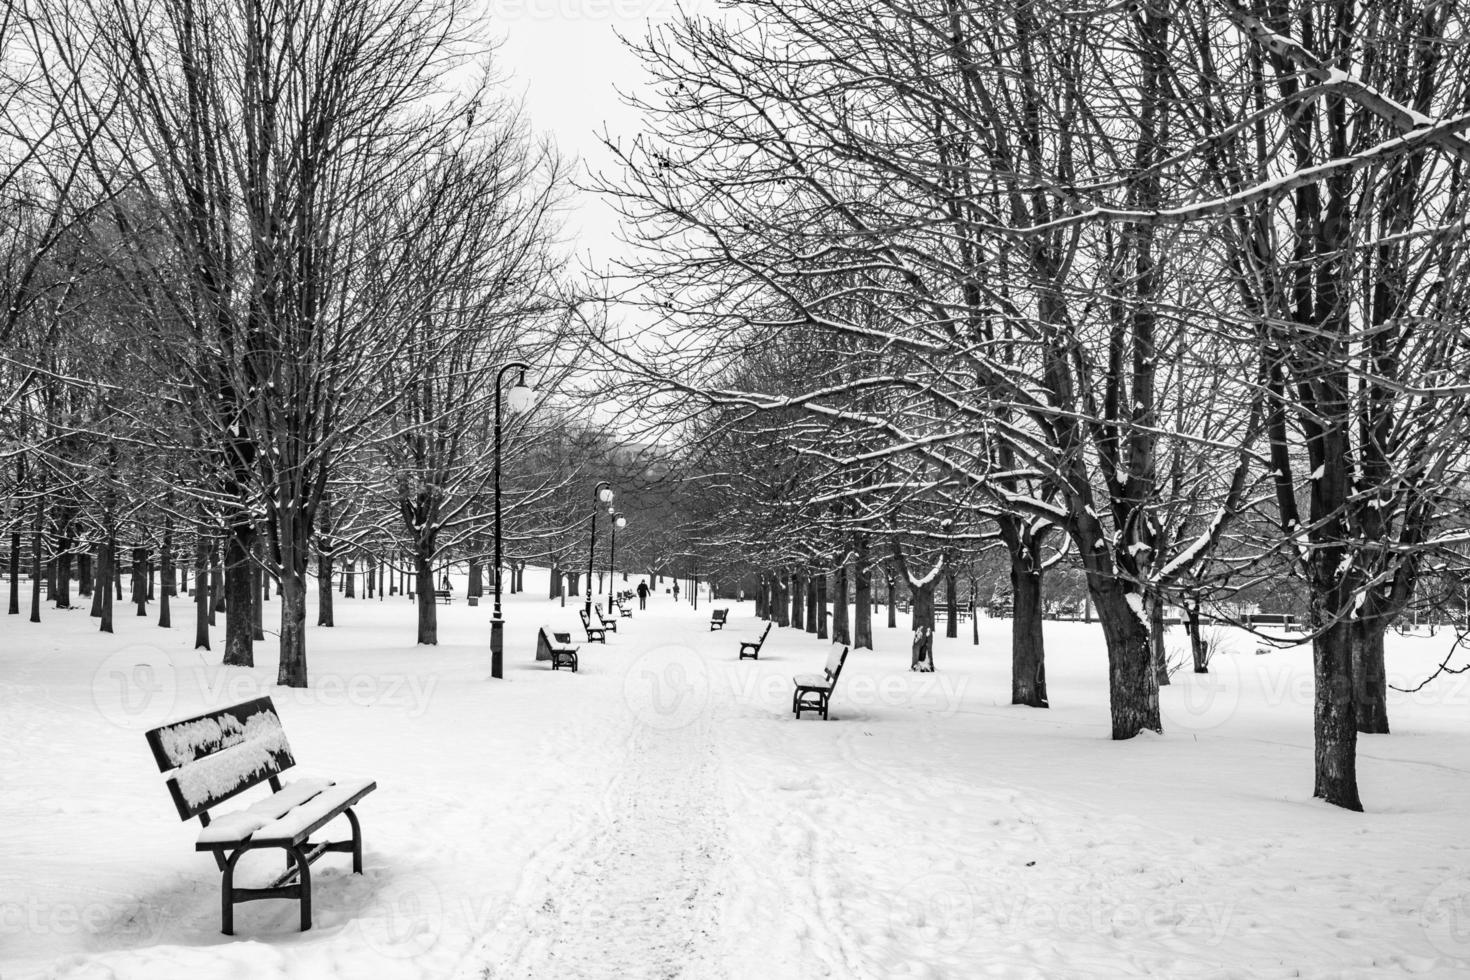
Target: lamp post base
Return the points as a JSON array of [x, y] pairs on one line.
[[497, 648]]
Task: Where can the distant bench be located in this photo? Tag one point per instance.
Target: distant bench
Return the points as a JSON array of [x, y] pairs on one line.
[[443, 596], [595, 634], [752, 648], [556, 647], [215, 756], [717, 619], [813, 691]]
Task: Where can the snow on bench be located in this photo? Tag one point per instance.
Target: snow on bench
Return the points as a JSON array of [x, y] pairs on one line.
[[813, 691], [556, 647], [216, 756], [752, 648], [717, 619]]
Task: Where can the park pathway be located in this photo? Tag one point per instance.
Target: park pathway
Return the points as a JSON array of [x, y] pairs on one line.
[[635, 891]]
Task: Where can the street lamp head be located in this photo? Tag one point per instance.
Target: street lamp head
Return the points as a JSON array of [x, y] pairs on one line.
[[620, 522], [520, 397], [605, 494]]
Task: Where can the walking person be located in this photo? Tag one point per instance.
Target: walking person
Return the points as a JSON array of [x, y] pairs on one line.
[[676, 591], [642, 595]]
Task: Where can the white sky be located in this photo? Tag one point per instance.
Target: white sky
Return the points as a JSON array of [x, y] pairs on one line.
[[565, 57]]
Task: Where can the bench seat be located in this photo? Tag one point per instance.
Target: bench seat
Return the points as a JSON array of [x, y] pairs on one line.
[[817, 682], [287, 817]]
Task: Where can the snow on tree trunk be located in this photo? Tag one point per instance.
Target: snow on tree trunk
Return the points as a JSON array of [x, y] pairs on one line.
[[922, 659], [779, 599], [1133, 690], [1370, 683], [1156, 639], [821, 605]]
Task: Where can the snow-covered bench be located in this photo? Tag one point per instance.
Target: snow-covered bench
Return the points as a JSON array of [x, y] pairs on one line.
[[443, 596], [608, 623], [215, 756], [814, 690], [556, 647], [595, 634], [623, 610], [717, 619], [752, 648]]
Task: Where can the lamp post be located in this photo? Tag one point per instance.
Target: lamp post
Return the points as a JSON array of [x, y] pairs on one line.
[[520, 398], [602, 493], [618, 520]]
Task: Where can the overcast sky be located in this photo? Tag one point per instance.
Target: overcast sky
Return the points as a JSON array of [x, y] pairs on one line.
[[565, 57]]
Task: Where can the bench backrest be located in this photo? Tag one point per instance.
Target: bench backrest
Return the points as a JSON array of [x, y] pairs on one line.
[[764, 633], [583, 614], [835, 659], [218, 754], [720, 614]]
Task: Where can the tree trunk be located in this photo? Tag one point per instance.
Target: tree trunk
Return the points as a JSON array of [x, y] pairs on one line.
[[140, 580], [258, 588], [1028, 649], [201, 592], [369, 576], [349, 577], [240, 592], [1370, 681], [166, 560], [84, 573], [36, 548], [1334, 725], [15, 542], [798, 603], [292, 672], [428, 607], [840, 630], [1198, 652], [62, 593], [892, 603], [952, 614], [554, 584], [574, 580], [779, 600], [811, 603], [324, 549], [821, 605], [476, 587], [1156, 639], [1133, 690], [923, 624], [99, 580], [106, 563]]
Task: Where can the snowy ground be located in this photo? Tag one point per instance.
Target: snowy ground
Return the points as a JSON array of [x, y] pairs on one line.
[[660, 814]]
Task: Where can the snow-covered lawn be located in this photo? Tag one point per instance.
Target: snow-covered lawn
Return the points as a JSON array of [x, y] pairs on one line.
[[661, 814]]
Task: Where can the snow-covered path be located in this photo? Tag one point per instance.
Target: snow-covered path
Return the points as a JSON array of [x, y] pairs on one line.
[[636, 890], [660, 814]]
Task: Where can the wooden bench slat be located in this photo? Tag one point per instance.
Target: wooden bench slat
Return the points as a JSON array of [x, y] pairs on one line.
[[236, 826], [304, 820], [260, 753], [181, 742]]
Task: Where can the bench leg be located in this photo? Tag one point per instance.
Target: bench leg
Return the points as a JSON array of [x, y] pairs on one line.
[[303, 872], [227, 892], [356, 841]]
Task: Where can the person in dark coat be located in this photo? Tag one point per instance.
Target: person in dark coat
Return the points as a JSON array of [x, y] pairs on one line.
[[642, 595]]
